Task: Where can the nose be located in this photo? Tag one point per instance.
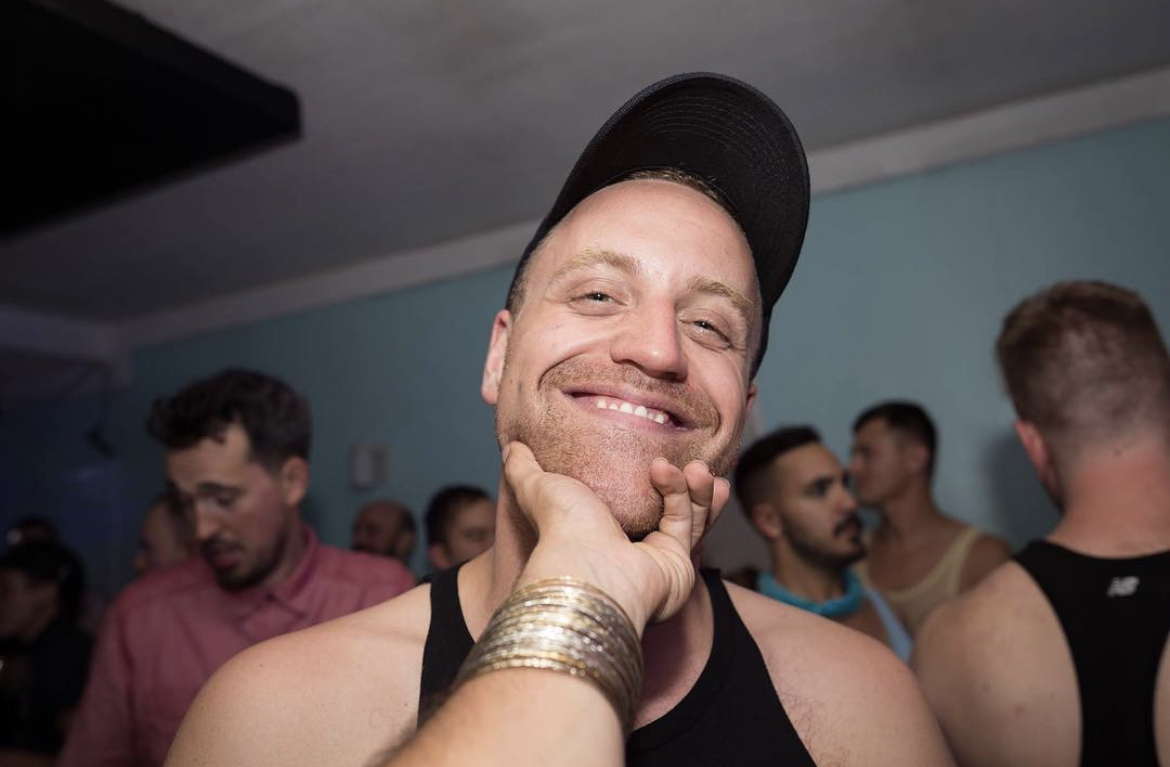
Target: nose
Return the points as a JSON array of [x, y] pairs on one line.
[[846, 501], [207, 525], [650, 340]]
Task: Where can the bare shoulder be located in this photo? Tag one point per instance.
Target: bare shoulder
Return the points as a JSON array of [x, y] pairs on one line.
[[336, 693], [985, 621], [987, 553], [993, 660], [851, 700]]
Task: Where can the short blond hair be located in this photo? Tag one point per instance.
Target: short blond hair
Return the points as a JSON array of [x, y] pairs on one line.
[[1084, 361]]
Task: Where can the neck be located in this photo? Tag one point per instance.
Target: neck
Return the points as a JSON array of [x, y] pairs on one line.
[[908, 513], [804, 579], [295, 547], [674, 652], [1117, 501]]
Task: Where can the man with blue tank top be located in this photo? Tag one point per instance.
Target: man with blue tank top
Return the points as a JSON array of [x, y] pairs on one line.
[[795, 494], [621, 371], [1059, 658]]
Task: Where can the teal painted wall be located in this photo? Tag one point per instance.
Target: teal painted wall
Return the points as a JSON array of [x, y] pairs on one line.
[[899, 293]]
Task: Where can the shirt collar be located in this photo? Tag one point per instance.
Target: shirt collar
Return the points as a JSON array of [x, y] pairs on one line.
[[292, 593]]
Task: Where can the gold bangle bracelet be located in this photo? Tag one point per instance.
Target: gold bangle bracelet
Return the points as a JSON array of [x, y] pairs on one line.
[[569, 626]]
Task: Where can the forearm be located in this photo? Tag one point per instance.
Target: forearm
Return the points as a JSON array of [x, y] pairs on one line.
[[517, 718]]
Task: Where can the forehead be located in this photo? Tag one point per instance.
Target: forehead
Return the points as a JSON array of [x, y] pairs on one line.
[[807, 463], [874, 430], [379, 515], [210, 458], [474, 512], [672, 232]]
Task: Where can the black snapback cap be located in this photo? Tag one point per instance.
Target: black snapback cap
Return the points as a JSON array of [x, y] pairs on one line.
[[726, 133]]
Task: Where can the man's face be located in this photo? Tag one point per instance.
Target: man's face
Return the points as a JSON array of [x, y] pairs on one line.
[[159, 543], [817, 513], [879, 463], [244, 516], [24, 602], [470, 532], [634, 340], [380, 528]]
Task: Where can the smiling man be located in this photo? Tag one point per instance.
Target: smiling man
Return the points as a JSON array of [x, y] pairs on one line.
[[237, 464], [621, 366]]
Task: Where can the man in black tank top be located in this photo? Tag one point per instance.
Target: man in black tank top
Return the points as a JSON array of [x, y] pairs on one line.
[[621, 370], [1060, 657]]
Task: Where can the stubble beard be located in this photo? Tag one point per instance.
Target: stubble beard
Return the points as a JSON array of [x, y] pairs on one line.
[[612, 461]]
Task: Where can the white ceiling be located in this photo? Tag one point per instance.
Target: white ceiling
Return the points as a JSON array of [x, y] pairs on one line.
[[430, 120]]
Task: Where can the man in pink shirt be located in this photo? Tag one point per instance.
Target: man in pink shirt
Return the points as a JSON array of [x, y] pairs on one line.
[[237, 463]]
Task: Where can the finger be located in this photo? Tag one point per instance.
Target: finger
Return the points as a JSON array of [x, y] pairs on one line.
[[722, 494], [521, 473], [671, 484], [701, 485]]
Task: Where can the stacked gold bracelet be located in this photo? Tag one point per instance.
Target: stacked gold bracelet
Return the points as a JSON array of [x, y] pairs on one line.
[[566, 625]]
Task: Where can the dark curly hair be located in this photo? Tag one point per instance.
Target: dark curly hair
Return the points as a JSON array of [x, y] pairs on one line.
[[275, 418]]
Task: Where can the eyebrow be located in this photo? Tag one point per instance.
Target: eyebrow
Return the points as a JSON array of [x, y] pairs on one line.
[[829, 479], [744, 306], [203, 488], [591, 257]]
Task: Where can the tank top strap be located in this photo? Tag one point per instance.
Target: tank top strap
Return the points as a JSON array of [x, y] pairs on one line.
[[448, 642], [955, 558]]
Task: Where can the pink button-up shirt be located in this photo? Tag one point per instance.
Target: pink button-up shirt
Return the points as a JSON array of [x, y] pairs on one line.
[[167, 633]]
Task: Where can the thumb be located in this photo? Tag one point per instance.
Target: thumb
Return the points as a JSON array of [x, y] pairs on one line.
[[521, 471]]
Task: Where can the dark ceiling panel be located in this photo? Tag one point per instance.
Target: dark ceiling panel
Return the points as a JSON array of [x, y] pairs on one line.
[[97, 102]]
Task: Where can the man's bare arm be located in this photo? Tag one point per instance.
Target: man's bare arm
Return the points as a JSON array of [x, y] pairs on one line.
[[852, 701], [519, 717]]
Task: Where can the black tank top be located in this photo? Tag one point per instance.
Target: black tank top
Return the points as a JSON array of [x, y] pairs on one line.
[[732, 715], [1116, 618]]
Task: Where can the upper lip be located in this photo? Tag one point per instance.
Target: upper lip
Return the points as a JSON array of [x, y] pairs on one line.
[[845, 523], [679, 414]]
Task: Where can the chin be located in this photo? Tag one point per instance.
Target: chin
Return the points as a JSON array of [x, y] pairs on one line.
[[613, 462]]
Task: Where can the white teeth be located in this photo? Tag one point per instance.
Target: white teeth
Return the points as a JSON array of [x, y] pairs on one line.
[[657, 416]]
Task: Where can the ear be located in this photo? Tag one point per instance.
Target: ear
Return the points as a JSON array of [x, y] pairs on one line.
[[404, 545], [1036, 449], [493, 368], [294, 480], [751, 399], [916, 456], [766, 521], [437, 553]]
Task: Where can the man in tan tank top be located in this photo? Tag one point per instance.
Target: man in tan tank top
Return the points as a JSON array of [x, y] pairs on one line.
[[918, 556]]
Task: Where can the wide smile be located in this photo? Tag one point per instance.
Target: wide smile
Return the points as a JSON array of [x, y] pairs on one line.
[[632, 408]]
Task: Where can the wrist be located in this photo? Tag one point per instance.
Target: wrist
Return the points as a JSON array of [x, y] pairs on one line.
[[566, 625]]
